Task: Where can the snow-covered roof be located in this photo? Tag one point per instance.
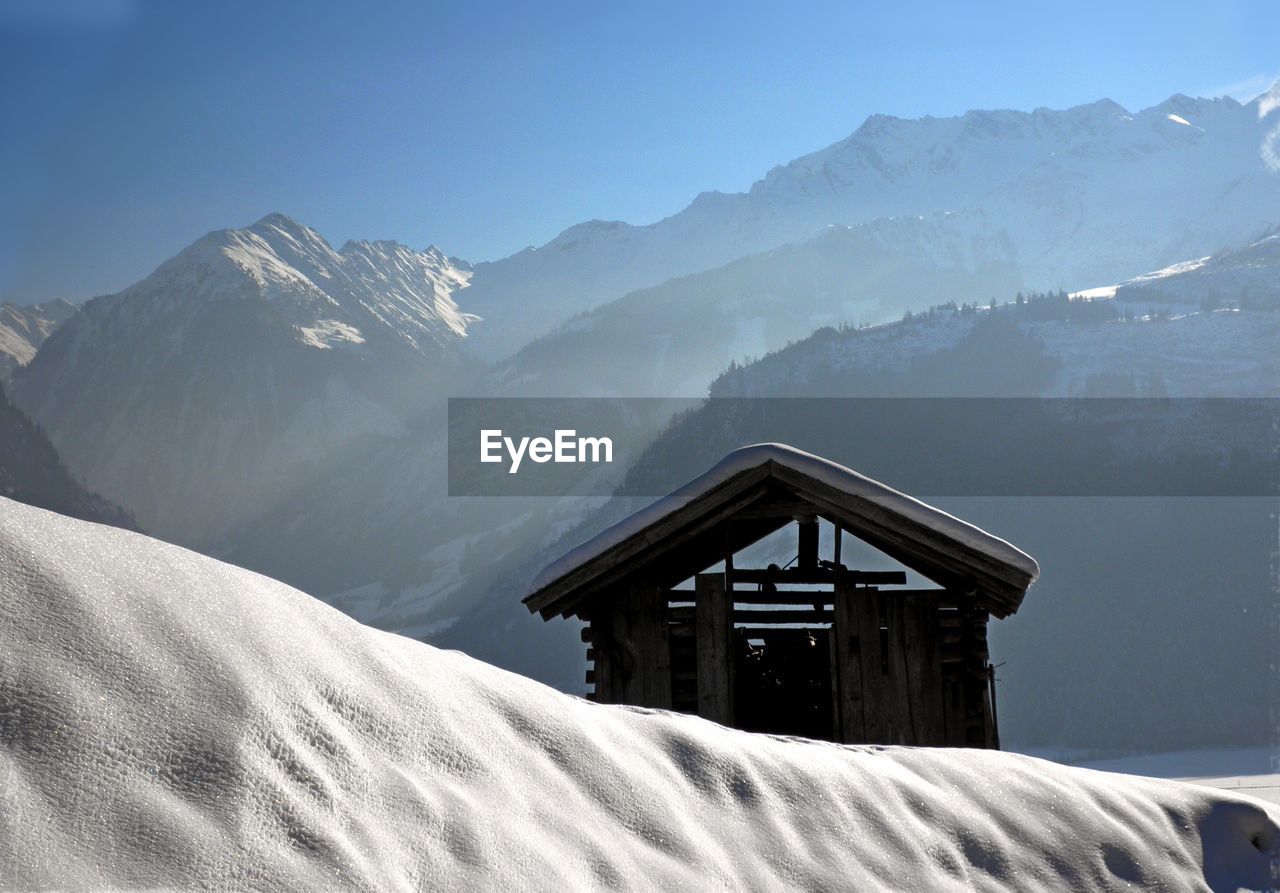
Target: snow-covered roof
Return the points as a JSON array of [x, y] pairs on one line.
[[931, 528]]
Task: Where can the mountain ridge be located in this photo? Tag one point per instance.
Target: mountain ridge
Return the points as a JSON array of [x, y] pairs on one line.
[[1092, 192], [242, 369]]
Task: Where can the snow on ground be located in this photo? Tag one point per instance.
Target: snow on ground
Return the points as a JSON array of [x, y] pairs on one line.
[[1264, 787], [328, 332], [1101, 293], [1178, 269], [170, 721], [1223, 353]]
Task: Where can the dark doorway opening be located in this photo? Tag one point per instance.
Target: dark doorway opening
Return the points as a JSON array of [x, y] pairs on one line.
[[783, 681]]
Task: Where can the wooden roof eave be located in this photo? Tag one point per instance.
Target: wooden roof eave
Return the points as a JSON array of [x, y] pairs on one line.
[[675, 564], [698, 515], [999, 587], [680, 538]]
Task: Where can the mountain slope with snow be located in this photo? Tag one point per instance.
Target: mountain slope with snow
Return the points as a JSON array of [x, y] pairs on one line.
[[175, 722], [675, 337], [1248, 276], [1194, 353], [248, 366], [1092, 193], [24, 329]]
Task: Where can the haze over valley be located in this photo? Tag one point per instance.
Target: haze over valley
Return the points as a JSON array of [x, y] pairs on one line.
[[267, 398]]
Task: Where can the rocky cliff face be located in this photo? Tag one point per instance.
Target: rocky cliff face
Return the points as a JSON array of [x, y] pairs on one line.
[[23, 329]]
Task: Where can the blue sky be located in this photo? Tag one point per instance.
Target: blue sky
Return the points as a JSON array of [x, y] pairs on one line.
[[130, 129]]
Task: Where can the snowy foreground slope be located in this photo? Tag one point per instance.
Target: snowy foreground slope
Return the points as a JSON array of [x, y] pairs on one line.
[[168, 720]]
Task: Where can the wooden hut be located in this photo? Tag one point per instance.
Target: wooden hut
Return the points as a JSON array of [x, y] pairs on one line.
[[810, 648]]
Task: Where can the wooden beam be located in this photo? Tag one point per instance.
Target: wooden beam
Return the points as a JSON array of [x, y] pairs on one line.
[[873, 663], [677, 614], [818, 576], [994, 742], [921, 548], [718, 503], [788, 510], [657, 647], [915, 670], [760, 632], [833, 665], [841, 504], [606, 663], [782, 617], [644, 548], [790, 597], [946, 600], [846, 679], [901, 704], [763, 499], [715, 653], [808, 545]]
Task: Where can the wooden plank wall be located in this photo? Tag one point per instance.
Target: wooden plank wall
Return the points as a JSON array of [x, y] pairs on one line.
[[684, 653], [908, 667], [888, 669], [916, 670], [631, 648], [853, 624], [970, 719]]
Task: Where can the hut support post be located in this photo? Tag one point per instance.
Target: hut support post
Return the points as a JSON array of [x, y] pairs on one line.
[[808, 544], [648, 635], [714, 630], [631, 649], [847, 634]]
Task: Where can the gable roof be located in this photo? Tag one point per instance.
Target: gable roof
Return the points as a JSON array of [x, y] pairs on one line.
[[728, 507]]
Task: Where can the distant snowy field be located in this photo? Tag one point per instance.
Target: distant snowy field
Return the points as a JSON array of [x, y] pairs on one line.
[[1250, 770], [170, 721]]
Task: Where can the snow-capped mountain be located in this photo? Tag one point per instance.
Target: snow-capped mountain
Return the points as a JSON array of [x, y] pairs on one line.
[[332, 299], [1087, 194], [243, 369], [23, 329]]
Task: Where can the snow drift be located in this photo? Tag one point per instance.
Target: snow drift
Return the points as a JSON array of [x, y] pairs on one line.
[[168, 720]]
